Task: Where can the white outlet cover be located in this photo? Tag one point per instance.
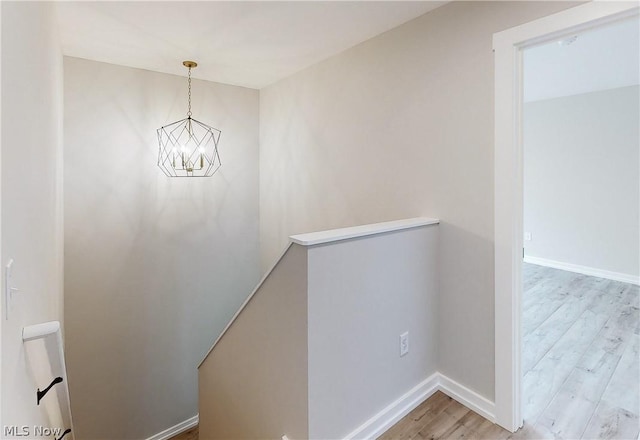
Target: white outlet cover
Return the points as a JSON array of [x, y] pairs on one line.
[[527, 236]]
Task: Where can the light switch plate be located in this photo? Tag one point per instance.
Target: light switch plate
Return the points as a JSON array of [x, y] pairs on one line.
[[404, 343], [9, 290]]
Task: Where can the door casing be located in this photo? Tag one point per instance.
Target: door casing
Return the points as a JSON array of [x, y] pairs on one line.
[[508, 46]]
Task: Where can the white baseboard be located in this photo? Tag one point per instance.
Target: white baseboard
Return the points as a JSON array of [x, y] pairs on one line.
[[468, 398], [175, 430], [585, 270], [389, 416]]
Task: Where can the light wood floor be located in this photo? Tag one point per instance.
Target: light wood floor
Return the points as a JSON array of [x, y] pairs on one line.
[[581, 365], [191, 434]]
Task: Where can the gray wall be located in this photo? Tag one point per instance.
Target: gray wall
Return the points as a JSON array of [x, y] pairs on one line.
[[154, 266], [31, 193], [363, 294], [581, 179], [315, 353], [397, 127]]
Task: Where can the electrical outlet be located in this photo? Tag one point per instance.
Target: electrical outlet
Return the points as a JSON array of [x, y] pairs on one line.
[[404, 343], [527, 236]]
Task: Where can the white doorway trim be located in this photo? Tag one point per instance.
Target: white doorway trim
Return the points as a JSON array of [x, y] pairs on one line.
[[508, 192], [2, 311]]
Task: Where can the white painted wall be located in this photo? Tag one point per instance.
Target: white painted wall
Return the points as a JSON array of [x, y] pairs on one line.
[[400, 126], [607, 57], [582, 180], [363, 294], [154, 267], [31, 198]]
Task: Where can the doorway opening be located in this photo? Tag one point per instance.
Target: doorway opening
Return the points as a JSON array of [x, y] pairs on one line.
[[580, 142], [509, 47]]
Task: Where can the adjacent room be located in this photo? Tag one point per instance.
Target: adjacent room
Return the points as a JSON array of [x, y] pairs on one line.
[[581, 235], [240, 219]]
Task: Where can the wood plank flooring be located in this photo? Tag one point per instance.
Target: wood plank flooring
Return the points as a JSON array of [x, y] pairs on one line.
[[191, 434], [581, 339], [441, 417]]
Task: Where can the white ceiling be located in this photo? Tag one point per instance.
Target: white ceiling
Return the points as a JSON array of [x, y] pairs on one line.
[[607, 57], [250, 44]]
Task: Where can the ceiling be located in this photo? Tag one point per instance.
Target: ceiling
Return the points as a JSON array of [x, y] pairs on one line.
[[250, 44], [604, 58]]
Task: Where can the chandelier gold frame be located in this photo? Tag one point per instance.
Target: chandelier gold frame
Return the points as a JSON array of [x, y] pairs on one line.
[[188, 147]]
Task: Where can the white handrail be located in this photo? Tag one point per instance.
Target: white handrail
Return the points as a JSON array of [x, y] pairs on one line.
[[52, 348], [322, 237], [38, 331]]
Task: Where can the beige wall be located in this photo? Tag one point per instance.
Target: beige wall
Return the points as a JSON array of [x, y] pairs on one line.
[[253, 385], [155, 266], [396, 127], [31, 198], [581, 180]]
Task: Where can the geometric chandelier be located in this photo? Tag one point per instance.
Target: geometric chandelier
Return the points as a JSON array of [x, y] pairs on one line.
[[188, 147]]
